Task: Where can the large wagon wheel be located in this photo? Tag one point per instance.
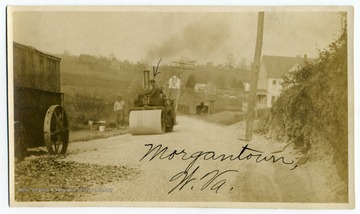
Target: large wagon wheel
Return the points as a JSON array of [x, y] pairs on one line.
[[56, 130], [20, 140]]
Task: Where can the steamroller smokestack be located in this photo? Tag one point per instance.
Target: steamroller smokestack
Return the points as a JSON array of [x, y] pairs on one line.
[[146, 79]]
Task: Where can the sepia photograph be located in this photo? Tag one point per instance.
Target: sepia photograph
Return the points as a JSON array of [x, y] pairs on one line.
[[209, 106]]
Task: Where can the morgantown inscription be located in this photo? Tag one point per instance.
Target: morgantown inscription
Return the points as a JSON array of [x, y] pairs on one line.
[[214, 179]]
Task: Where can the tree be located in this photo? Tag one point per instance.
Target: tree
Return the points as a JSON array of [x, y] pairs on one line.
[[66, 53], [209, 64], [221, 82], [141, 65], [112, 57], [191, 81], [230, 59], [237, 84], [243, 64]]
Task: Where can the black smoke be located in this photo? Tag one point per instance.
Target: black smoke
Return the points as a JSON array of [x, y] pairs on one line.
[[197, 39]]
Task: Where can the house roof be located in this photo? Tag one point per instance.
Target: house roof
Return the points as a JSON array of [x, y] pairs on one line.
[[277, 66]]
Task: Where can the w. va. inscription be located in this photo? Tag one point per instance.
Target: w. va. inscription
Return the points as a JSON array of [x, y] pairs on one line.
[[214, 179]]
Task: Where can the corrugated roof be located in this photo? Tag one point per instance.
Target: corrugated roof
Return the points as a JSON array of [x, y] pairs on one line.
[[277, 66]]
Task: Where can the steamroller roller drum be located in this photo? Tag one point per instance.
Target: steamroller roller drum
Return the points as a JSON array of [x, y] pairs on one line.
[[144, 122]]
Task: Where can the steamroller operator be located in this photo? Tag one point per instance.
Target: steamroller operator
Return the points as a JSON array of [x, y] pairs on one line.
[[155, 93]]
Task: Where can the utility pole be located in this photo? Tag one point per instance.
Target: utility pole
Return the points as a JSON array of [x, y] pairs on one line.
[[255, 76]]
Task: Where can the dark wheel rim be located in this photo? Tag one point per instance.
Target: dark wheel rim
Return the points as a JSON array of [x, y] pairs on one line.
[[56, 130], [169, 120], [163, 121]]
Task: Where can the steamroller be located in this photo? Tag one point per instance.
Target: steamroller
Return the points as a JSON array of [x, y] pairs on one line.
[[151, 115]]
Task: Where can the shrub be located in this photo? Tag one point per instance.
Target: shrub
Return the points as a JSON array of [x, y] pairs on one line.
[[84, 107], [191, 81], [312, 109]]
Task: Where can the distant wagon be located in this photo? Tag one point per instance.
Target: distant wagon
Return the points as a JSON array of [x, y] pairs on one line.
[[205, 107], [39, 116]]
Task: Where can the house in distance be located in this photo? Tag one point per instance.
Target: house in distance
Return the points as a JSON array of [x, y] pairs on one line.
[[271, 73]]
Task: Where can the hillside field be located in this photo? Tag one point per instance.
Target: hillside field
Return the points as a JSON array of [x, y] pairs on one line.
[[91, 87]]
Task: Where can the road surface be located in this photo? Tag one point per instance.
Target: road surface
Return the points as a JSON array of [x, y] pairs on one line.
[[198, 161]]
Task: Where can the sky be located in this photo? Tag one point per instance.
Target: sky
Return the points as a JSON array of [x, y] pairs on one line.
[[201, 36]]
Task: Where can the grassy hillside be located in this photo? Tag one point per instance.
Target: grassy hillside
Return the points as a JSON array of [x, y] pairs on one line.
[[91, 85]]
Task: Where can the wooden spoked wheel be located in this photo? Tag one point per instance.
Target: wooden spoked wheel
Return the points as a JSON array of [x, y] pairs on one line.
[[56, 130], [19, 140]]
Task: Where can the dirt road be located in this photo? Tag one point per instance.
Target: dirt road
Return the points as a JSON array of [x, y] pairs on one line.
[[198, 161]]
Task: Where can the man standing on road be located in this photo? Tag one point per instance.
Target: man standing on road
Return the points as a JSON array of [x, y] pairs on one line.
[[119, 110]]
